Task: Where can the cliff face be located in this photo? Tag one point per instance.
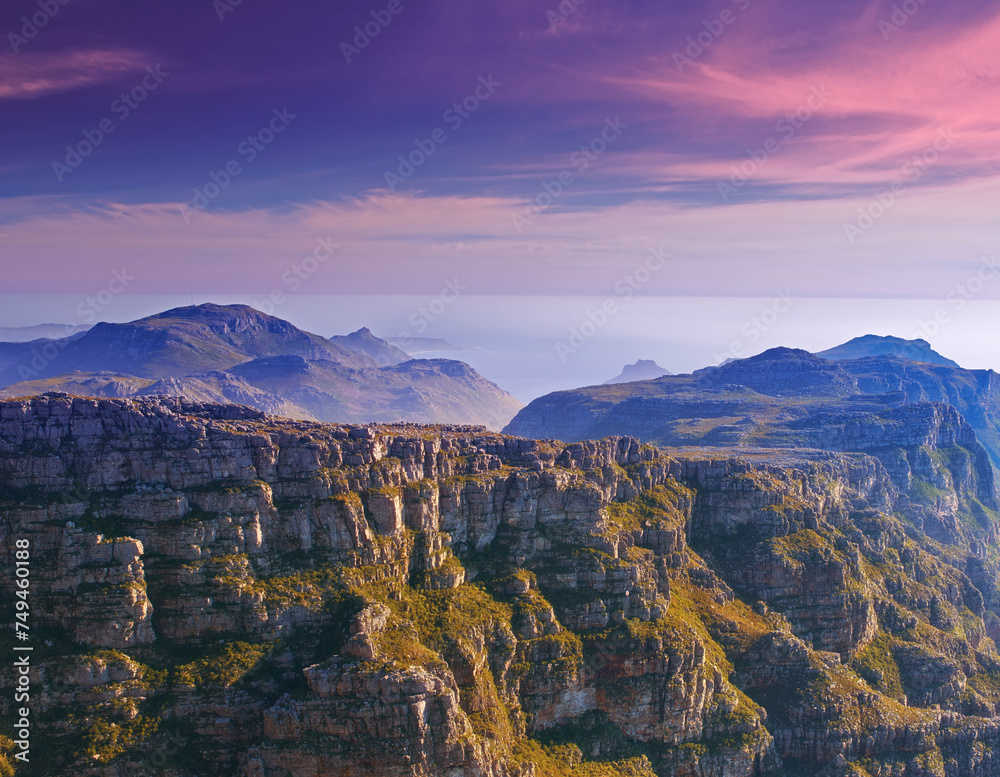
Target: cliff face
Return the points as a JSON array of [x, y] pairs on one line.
[[974, 393], [908, 415], [292, 598]]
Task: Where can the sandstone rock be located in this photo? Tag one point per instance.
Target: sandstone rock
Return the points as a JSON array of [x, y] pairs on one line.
[[402, 600]]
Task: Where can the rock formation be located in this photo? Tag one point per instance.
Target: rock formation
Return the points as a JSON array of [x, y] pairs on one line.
[[219, 592]]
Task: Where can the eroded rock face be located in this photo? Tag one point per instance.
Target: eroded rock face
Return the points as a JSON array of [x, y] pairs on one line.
[[786, 398], [292, 598]]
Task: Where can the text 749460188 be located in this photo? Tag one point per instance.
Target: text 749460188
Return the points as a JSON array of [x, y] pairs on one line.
[[22, 652]]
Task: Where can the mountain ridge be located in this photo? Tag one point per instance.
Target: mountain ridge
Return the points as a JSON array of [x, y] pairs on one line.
[[726, 405], [186, 340], [235, 353], [878, 345]]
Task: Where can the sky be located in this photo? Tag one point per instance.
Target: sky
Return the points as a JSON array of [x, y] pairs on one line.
[[278, 153]]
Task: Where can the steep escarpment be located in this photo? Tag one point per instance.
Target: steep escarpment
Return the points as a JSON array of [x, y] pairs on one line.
[[974, 393], [294, 598], [930, 451]]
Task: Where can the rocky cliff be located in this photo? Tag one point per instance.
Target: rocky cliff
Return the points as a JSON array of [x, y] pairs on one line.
[[219, 592]]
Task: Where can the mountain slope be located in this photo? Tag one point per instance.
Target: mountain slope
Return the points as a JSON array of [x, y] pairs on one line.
[[23, 360], [421, 391], [381, 352], [760, 400], [184, 341], [84, 384], [874, 345], [782, 372], [236, 354]]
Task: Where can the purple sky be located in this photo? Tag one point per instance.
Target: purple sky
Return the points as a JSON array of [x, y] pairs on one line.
[[826, 106]]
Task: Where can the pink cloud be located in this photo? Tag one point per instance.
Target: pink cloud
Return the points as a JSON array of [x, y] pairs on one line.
[[888, 98], [928, 240], [29, 75]]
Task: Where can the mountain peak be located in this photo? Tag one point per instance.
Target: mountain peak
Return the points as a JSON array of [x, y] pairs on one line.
[[643, 369], [211, 310], [886, 345], [188, 340], [363, 341], [783, 371], [220, 317], [237, 354]]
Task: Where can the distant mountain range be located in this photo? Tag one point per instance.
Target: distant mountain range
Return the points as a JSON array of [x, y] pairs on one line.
[[417, 345], [781, 398], [644, 369], [25, 334], [234, 353]]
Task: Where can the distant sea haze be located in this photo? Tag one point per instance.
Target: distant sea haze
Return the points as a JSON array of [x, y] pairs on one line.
[[513, 340]]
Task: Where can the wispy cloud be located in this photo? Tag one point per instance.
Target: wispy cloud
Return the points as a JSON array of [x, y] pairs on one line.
[[29, 75], [398, 244], [688, 128], [889, 98]]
